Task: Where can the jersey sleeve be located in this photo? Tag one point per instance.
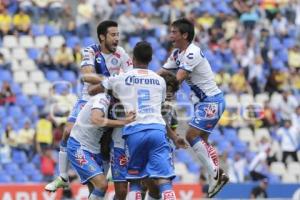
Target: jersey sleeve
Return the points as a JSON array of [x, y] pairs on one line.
[[101, 102], [190, 60], [88, 57], [171, 62], [126, 61]]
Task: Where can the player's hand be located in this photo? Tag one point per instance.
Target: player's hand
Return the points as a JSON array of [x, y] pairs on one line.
[[180, 143], [130, 117]]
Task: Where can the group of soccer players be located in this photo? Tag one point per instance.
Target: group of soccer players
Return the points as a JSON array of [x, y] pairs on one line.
[[122, 99]]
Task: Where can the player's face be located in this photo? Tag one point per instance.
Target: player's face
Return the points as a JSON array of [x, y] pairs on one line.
[[112, 39], [176, 37]]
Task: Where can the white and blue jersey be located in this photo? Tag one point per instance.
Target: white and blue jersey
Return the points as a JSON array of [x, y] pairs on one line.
[[207, 97], [105, 64], [83, 146], [143, 91]]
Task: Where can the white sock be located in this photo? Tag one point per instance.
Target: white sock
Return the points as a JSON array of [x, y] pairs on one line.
[[63, 164], [168, 195], [148, 197], [208, 156], [95, 197], [134, 195]]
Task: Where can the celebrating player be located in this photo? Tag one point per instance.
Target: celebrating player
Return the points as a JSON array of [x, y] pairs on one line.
[[209, 105], [106, 59]]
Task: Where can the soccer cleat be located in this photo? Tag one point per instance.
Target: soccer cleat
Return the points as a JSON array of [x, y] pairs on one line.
[[217, 183], [56, 184]]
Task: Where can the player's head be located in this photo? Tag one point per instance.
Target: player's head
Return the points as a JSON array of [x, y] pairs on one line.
[[108, 35], [182, 32], [171, 83], [142, 54]]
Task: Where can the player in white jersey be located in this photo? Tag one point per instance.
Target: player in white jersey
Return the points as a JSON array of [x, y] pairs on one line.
[[106, 59], [191, 65], [143, 91], [83, 145]]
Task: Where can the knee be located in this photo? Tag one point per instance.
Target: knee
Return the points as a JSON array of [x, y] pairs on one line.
[[101, 185], [121, 193]]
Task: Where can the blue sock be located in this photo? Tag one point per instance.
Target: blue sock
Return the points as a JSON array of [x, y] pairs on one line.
[[135, 187], [98, 193], [195, 140], [165, 186]]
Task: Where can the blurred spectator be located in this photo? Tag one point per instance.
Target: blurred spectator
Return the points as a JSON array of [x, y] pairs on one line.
[[296, 117], [77, 54], [146, 25], [102, 9], [237, 167], [84, 16], [274, 81], [44, 135], [259, 164], [223, 80], [64, 59], [55, 9], [5, 22], [42, 9], [289, 137], [32, 7], [67, 22], [260, 191], [48, 165], [249, 18], [294, 57], [118, 7], [269, 117], [25, 139], [256, 76], [206, 21], [239, 83], [7, 97], [21, 22], [230, 26], [279, 24], [4, 64], [129, 24], [286, 105], [238, 45], [45, 60], [57, 135], [9, 137]]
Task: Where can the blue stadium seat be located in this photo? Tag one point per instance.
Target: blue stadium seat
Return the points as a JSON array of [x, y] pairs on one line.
[[50, 30], [72, 41], [23, 100], [19, 157], [147, 8], [209, 55], [11, 167], [21, 178], [52, 75], [153, 41], [283, 55], [2, 112], [36, 160], [161, 54], [289, 43], [15, 112], [31, 111], [29, 168], [278, 64], [4, 178], [216, 65], [69, 76], [134, 8], [154, 65], [87, 41], [194, 168], [37, 29], [133, 40], [230, 134], [216, 136], [38, 101], [7, 120], [37, 177], [183, 156], [15, 87], [5, 75], [275, 43], [33, 53]]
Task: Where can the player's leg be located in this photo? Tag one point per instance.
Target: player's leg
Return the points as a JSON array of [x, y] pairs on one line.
[[62, 181], [159, 166], [89, 168], [119, 172], [137, 160], [153, 190], [207, 114]]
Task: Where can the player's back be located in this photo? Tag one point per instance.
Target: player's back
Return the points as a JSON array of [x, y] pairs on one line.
[[142, 91], [84, 131]]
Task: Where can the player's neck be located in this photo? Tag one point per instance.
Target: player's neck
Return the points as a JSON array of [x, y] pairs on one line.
[[184, 46], [140, 66], [105, 50]]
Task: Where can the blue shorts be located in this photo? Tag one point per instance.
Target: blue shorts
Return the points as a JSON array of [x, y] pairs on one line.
[[208, 112], [118, 164], [87, 164], [149, 155], [75, 110]]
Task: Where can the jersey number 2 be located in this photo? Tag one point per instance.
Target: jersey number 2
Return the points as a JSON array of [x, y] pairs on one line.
[[143, 100]]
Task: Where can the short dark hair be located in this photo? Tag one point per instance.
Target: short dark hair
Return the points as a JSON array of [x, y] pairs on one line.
[[171, 81], [142, 52], [104, 26], [185, 26]]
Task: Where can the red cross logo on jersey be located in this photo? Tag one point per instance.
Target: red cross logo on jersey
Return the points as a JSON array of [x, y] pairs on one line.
[[80, 157]]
